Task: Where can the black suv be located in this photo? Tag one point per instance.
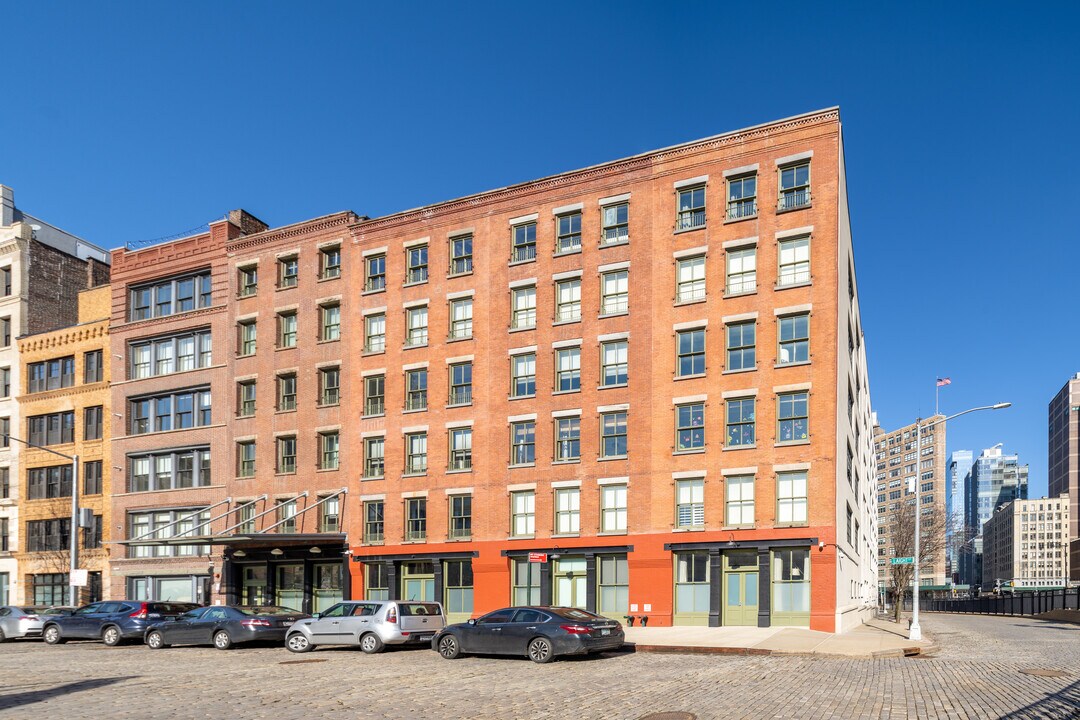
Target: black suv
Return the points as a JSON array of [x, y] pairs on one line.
[[112, 622]]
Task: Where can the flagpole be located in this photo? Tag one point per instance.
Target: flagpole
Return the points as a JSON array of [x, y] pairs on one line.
[[937, 390]]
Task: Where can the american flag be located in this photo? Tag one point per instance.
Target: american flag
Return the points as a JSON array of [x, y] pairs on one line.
[[942, 382]]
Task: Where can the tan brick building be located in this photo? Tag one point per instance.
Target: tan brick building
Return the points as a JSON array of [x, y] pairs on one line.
[[65, 406], [905, 473], [1026, 544]]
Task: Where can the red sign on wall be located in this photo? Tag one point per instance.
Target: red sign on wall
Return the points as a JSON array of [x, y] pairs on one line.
[[538, 557]]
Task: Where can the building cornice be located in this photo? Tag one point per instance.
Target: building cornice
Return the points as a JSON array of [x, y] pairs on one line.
[[73, 335], [612, 168], [321, 224]]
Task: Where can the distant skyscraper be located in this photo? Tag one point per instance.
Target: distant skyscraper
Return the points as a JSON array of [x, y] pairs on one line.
[[957, 469], [995, 479], [1064, 461]]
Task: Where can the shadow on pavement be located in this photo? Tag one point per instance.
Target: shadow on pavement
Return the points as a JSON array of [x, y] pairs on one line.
[[35, 696], [1063, 704]]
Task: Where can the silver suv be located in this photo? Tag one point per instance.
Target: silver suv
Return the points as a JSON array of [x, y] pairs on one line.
[[371, 624]]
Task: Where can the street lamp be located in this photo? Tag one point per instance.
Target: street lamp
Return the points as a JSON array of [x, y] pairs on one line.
[[915, 632], [74, 549]]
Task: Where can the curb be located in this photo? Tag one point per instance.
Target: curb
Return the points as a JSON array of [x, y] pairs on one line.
[[914, 651]]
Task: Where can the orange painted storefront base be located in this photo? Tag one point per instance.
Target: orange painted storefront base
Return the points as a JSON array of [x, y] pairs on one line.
[[650, 565]]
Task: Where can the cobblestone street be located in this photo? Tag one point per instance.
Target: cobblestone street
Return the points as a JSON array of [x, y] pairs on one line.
[[975, 673]]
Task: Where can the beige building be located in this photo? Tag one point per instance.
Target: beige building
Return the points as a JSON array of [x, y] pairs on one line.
[[66, 407], [900, 468], [1026, 544]]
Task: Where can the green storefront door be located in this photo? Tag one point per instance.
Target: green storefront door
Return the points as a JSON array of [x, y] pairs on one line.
[[740, 589], [418, 581], [570, 582]]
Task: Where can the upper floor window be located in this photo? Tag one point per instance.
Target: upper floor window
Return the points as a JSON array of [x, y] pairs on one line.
[[330, 515], [794, 261], [460, 449], [286, 455], [286, 392], [160, 525], [794, 186], [690, 279], [330, 262], [523, 442], [460, 384], [741, 347], [49, 482], [740, 422], [690, 427], [176, 411], [179, 353], [568, 369], [94, 368], [567, 511], [742, 197], [375, 273], [374, 395], [330, 322], [740, 500], [691, 208], [5, 382], [793, 417], [741, 271], [93, 422], [5, 332], [5, 281], [287, 330], [568, 300], [523, 375], [247, 280], [568, 236], [461, 255], [793, 345], [375, 333], [416, 387], [288, 272], [51, 374], [690, 503], [461, 318], [246, 393], [616, 219], [170, 469], [52, 429], [614, 363], [416, 264], [613, 434], [416, 326], [567, 439], [615, 292], [524, 307], [329, 386], [169, 297], [524, 239], [247, 337], [691, 353]]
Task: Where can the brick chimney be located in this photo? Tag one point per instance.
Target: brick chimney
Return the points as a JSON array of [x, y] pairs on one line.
[[248, 223]]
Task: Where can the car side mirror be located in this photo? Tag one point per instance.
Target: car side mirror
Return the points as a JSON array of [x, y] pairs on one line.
[[316, 616], [472, 621]]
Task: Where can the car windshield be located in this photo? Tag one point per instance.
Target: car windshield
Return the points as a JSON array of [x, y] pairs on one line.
[[267, 610], [575, 614]]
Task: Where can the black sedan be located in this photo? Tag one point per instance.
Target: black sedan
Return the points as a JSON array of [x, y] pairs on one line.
[[540, 633], [224, 626]]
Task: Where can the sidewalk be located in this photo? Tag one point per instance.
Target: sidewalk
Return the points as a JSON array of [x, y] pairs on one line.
[[876, 639]]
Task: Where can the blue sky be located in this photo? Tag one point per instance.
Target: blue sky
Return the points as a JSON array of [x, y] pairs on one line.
[[129, 121]]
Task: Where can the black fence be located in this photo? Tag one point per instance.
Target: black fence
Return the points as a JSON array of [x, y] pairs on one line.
[[1024, 603]]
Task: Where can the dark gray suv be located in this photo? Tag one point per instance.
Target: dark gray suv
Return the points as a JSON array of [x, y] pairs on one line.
[[112, 622]]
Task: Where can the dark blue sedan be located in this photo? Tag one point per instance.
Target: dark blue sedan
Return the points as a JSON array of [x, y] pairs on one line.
[[540, 633], [224, 626]]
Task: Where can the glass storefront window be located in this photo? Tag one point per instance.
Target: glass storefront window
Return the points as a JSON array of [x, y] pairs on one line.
[[614, 577], [692, 583], [791, 582], [526, 583], [290, 586], [327, 586], [376, 586], [458, 576]]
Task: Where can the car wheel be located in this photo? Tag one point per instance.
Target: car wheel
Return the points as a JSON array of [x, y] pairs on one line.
[[371, 643], [52, 635], [155, 641], [540, 650], [298, 643], [449, 647], [111, 636], [222, 641]]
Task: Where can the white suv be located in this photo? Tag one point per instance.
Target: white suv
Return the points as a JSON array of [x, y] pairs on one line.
[[371, 624]]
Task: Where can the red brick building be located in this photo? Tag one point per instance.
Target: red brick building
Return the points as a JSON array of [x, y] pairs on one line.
[[644, 390], [638, 388]]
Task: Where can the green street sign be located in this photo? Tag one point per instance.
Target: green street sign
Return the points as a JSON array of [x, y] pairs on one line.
[[902, 561]]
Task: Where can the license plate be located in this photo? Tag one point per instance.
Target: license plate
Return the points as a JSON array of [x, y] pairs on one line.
[[425, 636], [605, 631]]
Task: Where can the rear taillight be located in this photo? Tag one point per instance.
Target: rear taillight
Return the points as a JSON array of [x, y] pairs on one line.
[[31, 618], [576, 629], [139, 614], [391, 615], [255, 622]]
